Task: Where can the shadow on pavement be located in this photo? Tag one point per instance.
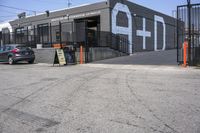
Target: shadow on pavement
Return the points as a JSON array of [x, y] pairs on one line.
[[20, 63], [166, 58]]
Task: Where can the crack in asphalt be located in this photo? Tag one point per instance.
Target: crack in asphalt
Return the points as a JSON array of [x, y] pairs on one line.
[[33, 93], [1, 128], [147, 107], [80, 87], [30, 119], [129, 110], [52, 84]]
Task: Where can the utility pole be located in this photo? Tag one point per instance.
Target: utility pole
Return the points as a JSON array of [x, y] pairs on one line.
[[189, 31], [174, 14], [35, 13], [69, 3]]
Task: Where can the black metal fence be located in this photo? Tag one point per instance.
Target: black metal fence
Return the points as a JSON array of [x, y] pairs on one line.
[[68, 33], [188, 27]]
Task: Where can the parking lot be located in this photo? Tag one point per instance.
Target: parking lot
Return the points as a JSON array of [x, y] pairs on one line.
[[99, 98]]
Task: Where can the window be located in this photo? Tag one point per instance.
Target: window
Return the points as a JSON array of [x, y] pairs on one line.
[[43, 29], [19, 30], [57, 35], [43, 33], [8, 48]]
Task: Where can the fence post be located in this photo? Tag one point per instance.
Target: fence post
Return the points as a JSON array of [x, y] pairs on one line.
[[177, 33], [21, 36], [189, 31], [41, 30], [185, 47], [9, 37], [27, 40], [3, 34], [15, 36], [86, 43], [51, 35], [60, 32], [34, 36], [81, 54]]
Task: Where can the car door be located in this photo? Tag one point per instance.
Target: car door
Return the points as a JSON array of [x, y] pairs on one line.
[[4, 54], [1, 53], [7, 52]]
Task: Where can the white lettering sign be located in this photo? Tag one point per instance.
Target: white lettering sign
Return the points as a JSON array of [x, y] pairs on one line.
[[128, 30], [76, 16], [156, 20], [122, 30], [144, 33]]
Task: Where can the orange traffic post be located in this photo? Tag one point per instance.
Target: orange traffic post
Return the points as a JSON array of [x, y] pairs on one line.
[[81, 54], [185, 47]]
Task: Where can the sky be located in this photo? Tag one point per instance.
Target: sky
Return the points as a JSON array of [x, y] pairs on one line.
[[6, 14]]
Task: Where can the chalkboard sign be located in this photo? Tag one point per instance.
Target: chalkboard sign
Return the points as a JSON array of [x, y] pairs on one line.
[[59, 57]]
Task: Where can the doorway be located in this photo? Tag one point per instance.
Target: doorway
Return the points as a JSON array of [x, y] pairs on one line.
[[88, 31]]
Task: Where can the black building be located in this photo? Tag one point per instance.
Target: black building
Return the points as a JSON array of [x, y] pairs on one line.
[[104, 24]]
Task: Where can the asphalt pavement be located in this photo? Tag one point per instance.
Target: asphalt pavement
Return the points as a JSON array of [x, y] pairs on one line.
[[164, 58], [99, 98]]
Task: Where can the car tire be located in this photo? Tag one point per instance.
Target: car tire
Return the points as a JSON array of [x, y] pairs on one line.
[[31, 62], [10, 60]]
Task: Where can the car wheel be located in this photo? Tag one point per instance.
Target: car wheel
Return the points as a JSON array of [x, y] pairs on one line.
[[10, 61], [31, 62]]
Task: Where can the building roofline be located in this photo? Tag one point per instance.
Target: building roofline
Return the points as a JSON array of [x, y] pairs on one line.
[[64, 9]]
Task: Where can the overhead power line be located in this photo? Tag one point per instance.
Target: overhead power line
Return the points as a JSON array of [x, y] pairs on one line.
[[8, 12], [7, 16], [17, 8], [21, 9]]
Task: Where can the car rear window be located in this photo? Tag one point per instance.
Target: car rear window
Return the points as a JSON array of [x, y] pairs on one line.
[[23, 48], [8, 48]]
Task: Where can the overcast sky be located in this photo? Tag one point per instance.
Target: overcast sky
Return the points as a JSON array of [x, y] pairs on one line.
[[164, 6]]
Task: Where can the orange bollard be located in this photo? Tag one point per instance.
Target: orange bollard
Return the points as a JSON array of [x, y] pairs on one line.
[[81, 54], [185, 47]]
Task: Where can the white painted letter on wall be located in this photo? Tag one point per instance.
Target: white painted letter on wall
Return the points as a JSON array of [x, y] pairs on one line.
[[156, 20], [122, 30], [144, 33]]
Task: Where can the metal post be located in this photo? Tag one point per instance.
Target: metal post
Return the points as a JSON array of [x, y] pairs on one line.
[[20, 35], [15, 35], [192, 41], [48, 35], [81, 54], [189, 32], [9, 37], [60, 32], [177, 31], [34, 36], [41, 30], [185, 46], [27, 36], [3, 34], [86, 43], [51, 35]]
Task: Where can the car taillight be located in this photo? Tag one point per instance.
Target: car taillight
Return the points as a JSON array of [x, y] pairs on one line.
[[15, 50]]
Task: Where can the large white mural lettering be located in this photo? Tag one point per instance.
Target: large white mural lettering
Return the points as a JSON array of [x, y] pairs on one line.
[[142, 33], [122, 30], [156, 20]]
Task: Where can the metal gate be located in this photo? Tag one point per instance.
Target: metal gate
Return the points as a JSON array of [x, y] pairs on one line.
[[188, 28]]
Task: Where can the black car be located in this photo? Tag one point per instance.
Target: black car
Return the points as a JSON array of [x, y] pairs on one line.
[[14, 53]]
